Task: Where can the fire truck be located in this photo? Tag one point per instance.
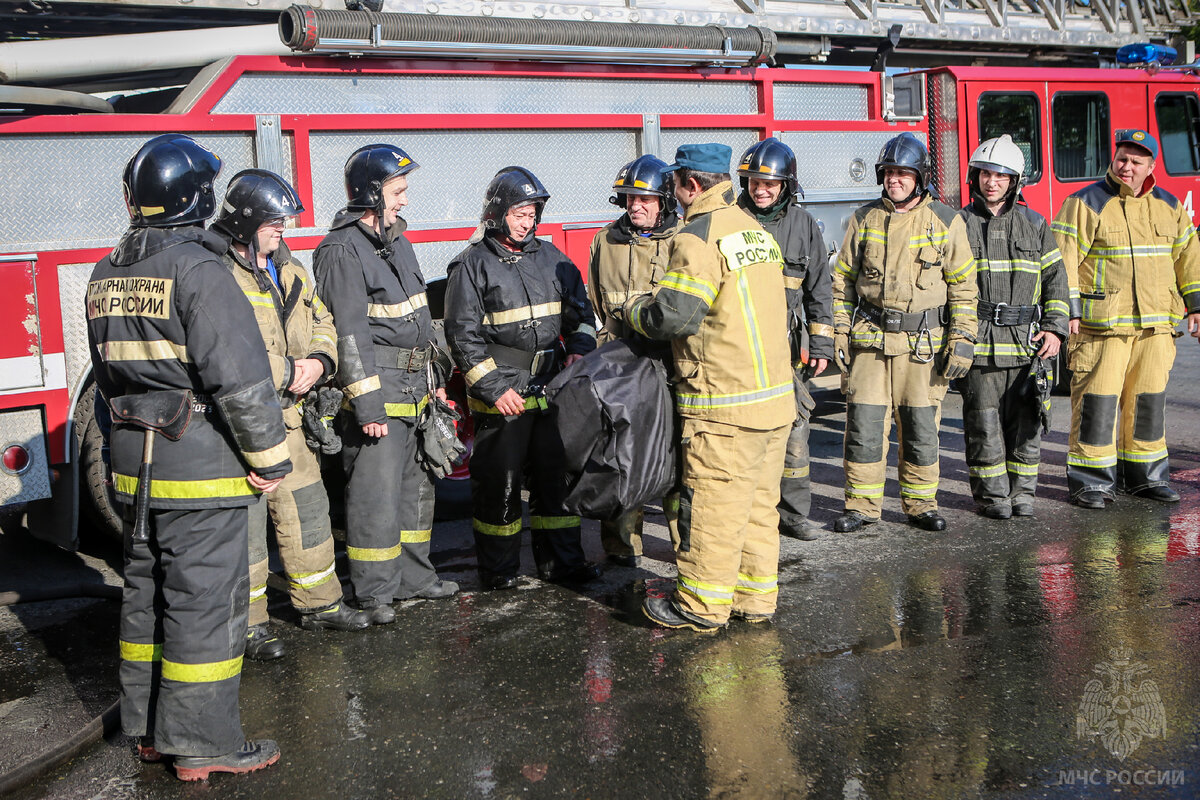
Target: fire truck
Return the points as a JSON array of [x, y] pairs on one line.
[[573, 92]]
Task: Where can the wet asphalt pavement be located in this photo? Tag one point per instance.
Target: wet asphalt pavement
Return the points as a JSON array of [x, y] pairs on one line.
[[901, 664]]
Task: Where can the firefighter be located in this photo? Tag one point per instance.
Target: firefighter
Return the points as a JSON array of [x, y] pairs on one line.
[[771, 194], [388, 365], [302, 348], [1133, 265], [509, 297], [1022, 313], [722, 305], [629, 256], [175, 348], [904, 318]]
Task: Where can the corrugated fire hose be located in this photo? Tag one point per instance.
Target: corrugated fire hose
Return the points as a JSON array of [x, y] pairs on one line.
[[90, 733]]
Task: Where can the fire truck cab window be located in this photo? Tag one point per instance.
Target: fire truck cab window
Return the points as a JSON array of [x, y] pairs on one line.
[[1179, 132], [1081, 135], [1018, 115]]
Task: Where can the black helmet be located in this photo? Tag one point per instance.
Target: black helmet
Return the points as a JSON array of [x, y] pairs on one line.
[[643, 176], [169, 182], [255, 196], [368, 168], [908, 152], [512, 186], [770, 159]]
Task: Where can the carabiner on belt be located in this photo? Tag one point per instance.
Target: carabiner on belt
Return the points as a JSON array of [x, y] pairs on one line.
[[923, 335]]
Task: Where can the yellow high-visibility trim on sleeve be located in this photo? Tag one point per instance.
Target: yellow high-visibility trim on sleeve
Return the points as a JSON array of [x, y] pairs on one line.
[[267, 458], [141, 652], [406, 409], [689, 284], [359, 388], [792, 282], [820, 329], [207, 672], [479, 370], [186, 490]]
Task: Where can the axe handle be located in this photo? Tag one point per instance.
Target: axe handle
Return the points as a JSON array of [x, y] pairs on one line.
[[141, 521]]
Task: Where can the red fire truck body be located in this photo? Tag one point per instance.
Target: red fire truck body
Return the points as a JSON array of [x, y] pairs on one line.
[[574, 125]]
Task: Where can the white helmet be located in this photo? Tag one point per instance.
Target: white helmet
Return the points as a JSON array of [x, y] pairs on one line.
[[998, 155]]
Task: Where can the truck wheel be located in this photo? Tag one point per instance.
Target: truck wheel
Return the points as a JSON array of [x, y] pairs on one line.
[[97, 503]]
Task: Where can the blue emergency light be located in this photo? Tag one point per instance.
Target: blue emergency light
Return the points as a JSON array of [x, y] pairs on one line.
[[1146, 53]]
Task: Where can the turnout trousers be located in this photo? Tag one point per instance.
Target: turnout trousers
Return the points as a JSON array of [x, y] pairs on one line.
[[389, 513], [728, 520], [299, 511], [1003, 427], [508, 452], [183, 630], [878, 389], [1118, 411], [795, 490]]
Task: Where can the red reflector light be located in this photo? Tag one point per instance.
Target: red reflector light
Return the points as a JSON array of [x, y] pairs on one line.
[[15, 459]]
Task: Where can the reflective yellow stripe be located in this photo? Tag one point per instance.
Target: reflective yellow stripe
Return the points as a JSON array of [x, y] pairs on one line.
[[140, 652], [793, 283], [1144, 458], [706, 592], [258, 592], [259, 298], [359, 388], [864, 490], [415, 537], [306, 580], [393, 310], [818, 329], [1083, 461], [184, 490], [550, 309], [479, 370], [702, 401], [795, 472], [267, 458], [552, 523], [511, 529], [373, 553], [1017, 468], [531, 403], [406, 409], [920, 490], [755, 584], [990, 471], [154, 350], [209, 672], [689, 284]]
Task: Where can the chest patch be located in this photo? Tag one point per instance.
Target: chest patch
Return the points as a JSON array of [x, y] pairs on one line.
[[130, 297], [744, 248]]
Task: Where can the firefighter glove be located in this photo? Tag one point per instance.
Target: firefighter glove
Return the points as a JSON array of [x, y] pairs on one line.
[[321, 405], [841, 350], [440, 445], [957, 358]]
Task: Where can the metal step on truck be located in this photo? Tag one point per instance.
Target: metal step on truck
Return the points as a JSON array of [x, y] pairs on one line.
[[573, 92]]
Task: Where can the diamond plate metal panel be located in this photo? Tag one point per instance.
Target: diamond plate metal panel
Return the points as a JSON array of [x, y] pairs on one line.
[[64, 192], [739, 140], [819, 101], [943, 149], [831, 160], [434, 257], [577, 166], [26, 429], [72, 288], [275, 93]]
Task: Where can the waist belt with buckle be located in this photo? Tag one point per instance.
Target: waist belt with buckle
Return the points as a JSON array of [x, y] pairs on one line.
[[1007, 316], [891, 320], [405, 358], [537, 362]]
